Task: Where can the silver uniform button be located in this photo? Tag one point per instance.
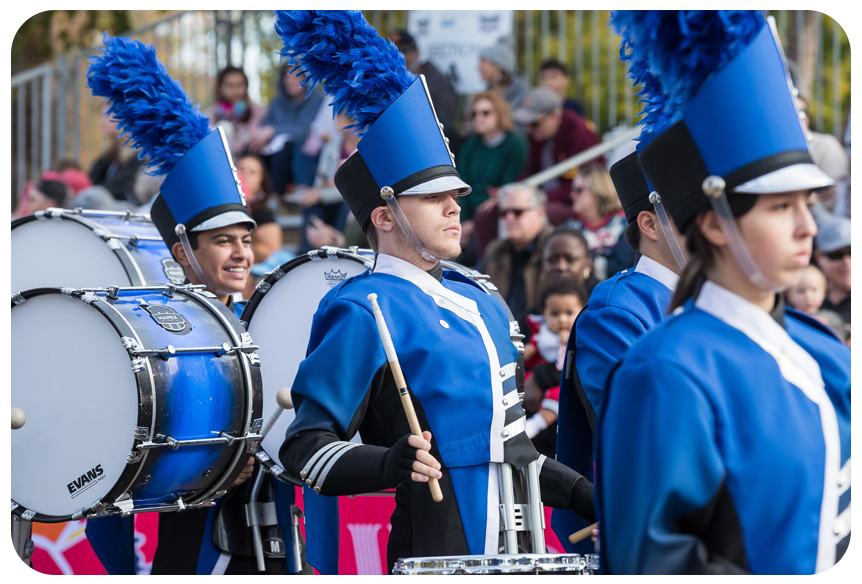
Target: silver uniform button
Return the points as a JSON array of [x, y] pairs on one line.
[[444, 324], [505, 433], [502, 373]]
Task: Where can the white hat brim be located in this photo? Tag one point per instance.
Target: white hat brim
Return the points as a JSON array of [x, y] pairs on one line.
[[797, 177], [229, 218], [440, 184]]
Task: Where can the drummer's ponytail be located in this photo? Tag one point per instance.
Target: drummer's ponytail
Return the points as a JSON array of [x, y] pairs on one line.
[[701, 253]]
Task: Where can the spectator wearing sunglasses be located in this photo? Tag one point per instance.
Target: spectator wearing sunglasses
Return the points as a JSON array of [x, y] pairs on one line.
[[599, 215], [555, 134], [514, 262], [490, 158], [832, 253]]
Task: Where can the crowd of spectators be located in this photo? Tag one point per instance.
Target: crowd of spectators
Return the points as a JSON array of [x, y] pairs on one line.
[[544, 247]]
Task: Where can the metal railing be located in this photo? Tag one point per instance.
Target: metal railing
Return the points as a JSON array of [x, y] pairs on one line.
[[55, 116]]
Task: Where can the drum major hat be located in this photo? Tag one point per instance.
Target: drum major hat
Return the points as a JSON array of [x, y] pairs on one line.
[[719, 104], [403, 150], [201, 189]]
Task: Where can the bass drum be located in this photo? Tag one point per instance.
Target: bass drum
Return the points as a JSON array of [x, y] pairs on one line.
[[135, 400], [80, 248], [279, 316]]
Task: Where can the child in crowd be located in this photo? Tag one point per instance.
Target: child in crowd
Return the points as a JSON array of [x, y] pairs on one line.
[[807, 296], [561, 301]]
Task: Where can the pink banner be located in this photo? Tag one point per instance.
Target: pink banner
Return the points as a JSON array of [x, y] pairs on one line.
[[62, 548]]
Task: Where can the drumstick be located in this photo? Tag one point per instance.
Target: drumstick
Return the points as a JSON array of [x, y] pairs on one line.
[[582, 534], [284, 403], [401, 383]]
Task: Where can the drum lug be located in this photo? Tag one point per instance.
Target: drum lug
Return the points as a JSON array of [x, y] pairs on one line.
[[78, 515], [125, 504], [14, 505], [133, 240], [263, 286], [276, 273], [256, 425], [169, 290], [67, 292], [138, 364], [179, 502], [113, 244], [141, 432], [18, 298], [314, 255], [112, 292], [134, 457], [28, 515], [253, 358], [89, 298], [245, 338], [129, 343], [331, 252]]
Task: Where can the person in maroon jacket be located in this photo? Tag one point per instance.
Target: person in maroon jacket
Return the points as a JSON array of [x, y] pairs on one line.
[[555, 134]]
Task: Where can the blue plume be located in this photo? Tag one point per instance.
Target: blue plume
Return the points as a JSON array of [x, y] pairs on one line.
[[362, 72], [152, 109], [673, 52]]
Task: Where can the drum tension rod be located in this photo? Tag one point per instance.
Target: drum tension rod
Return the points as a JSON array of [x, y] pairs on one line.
[[170, 351], [222, 438]]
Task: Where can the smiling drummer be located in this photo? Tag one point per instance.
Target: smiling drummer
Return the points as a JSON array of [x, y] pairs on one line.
[[451, 337], [201, 214]]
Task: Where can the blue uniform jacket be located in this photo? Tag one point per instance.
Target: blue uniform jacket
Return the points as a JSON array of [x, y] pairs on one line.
[[724, 445], [619, 311], [453, 345]]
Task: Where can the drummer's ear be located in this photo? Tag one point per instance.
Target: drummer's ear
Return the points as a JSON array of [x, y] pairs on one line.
[[180, 254]]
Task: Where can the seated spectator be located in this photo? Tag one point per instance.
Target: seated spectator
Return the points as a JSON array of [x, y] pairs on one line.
[[146, 188], [322, 201], [555, 134], [290, 115], [808, 295], [555, 76], [492, 157], [830, 156], [514, 263], [439, 86], [497, 68], [46, 194], [267, 238], [832, 254], [238, 114], [599, 215], [118, 166]]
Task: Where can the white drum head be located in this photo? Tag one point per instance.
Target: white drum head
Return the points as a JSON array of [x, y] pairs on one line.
[[62, 253], [281, 326], [73, 379]]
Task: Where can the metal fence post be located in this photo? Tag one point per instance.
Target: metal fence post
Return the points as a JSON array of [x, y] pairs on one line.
[[546, 34], [579, 52], [62, 79], [76, 108], [562, 33], [595, 73], [612, 80], [837, 120], [528, 42], [818, 75], [46, 119], [34, 127], [21, 153]]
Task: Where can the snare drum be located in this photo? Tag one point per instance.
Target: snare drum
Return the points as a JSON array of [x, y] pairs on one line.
[[492, 564], [136, 399], [81, 248], [279, 316]]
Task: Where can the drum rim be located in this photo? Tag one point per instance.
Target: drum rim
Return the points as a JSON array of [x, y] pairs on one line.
[[146, 394], [81, 217], [271, 466], [146, 399]]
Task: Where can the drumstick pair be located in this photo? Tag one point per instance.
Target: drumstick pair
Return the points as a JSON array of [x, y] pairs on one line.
[[401, 383]]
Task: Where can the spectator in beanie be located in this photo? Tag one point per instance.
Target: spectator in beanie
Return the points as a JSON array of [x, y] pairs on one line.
[[555, 76], [490, 158], [555, 134], [290, 114], [497, 68], [241, 117], [439, 86], [832, 254]]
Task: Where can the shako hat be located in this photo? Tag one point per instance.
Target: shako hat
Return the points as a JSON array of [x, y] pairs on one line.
[[201, 190], [403, 150], [718, 104], [631, 186]]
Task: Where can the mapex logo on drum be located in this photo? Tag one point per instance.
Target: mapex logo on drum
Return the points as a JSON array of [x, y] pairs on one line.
[[334, 277], [174, 271], [86, 480], [168, 318]]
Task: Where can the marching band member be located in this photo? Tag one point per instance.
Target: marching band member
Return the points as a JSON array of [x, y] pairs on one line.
[[724, 439], [619, 311], [201, 214], [452, 339]]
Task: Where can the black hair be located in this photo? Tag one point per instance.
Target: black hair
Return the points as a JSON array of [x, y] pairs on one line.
[[554, 65], [702, 253], [193, 241], [562, 286], [632, 235], [220, 79], [371, 235], [570, 231], [55, 190]]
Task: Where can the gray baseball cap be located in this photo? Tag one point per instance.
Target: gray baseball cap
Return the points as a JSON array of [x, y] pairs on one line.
[[539, 101], [833, 234]]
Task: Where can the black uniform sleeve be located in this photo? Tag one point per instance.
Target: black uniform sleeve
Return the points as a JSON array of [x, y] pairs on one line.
[[564, 488]]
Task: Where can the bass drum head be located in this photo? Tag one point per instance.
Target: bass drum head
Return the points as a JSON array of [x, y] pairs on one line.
[[62, 252], [73, 379], [281, 326]]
